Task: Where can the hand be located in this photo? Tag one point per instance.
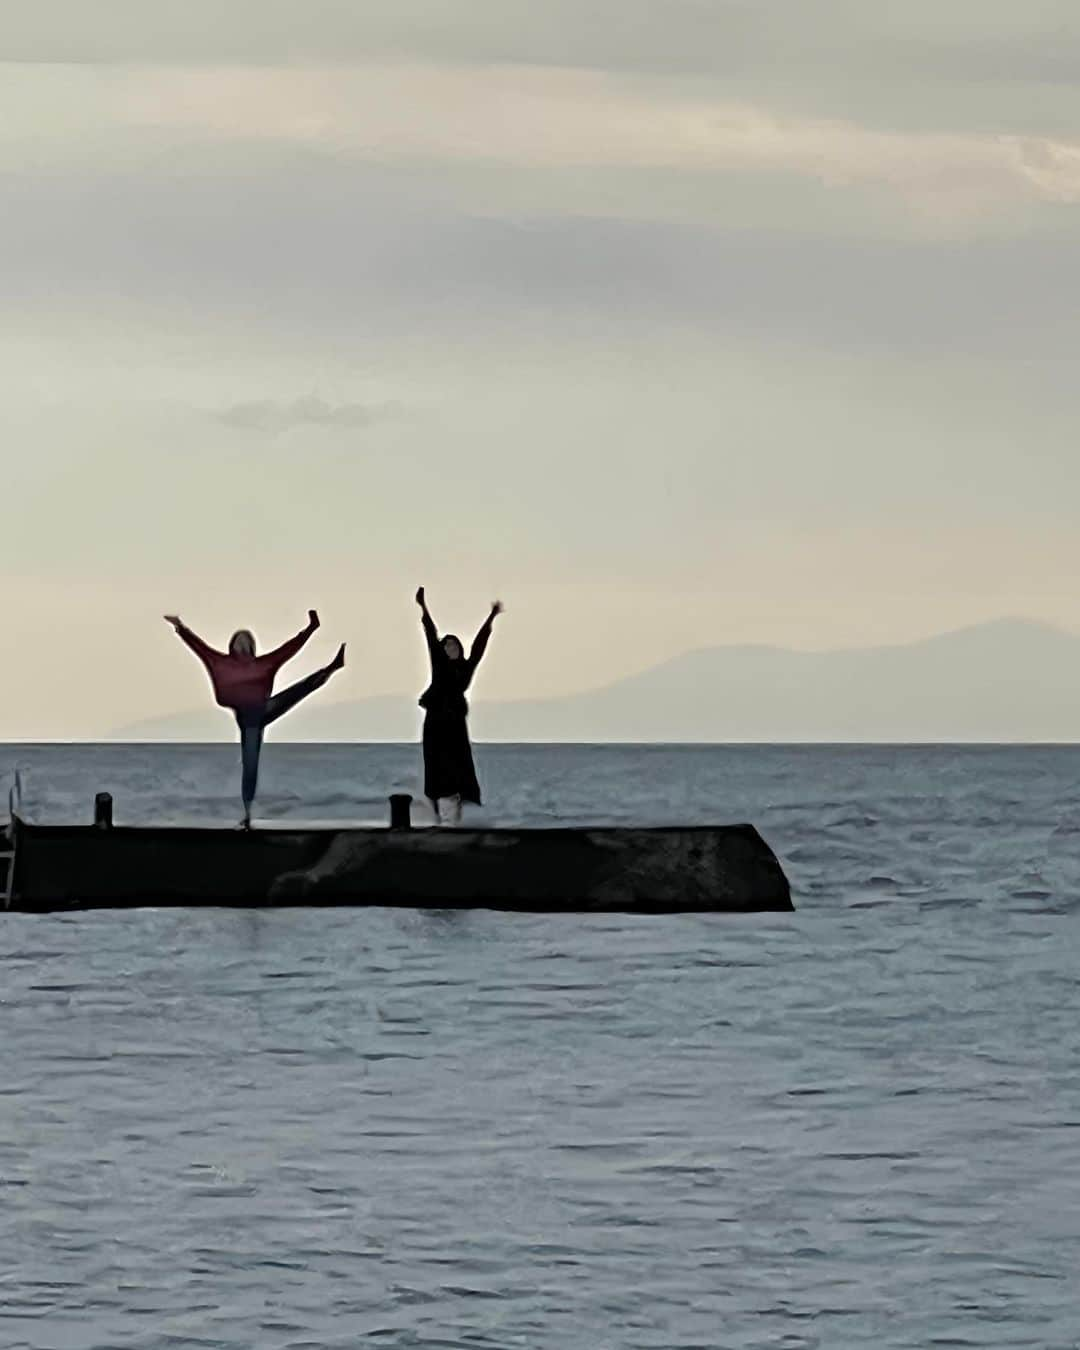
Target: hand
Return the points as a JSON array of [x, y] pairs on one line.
[[313, 619], [420, 597], [174, 619], [496, 608]]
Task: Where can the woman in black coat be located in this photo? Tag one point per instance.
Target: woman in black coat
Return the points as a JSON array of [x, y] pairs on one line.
[[448, 762]]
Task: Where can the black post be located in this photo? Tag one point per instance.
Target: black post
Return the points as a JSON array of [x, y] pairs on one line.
[[103, 811], [400, 819]]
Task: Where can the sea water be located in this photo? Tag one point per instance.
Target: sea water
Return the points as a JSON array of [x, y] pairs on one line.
[[855, 1125]]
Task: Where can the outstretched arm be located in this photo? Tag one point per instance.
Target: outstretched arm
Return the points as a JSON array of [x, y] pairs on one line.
[[288, 650], [431, 633], [480, 642], [202, 649]]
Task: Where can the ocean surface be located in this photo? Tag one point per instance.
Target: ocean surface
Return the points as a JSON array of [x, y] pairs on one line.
[[854, 1126]]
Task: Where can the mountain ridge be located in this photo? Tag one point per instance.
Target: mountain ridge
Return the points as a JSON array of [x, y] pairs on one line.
[[1007, 679]]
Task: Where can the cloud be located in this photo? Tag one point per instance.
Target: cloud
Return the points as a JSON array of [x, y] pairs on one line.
[[530, 119], [683, 36], [276, 416], [987, 65], [277, 250]]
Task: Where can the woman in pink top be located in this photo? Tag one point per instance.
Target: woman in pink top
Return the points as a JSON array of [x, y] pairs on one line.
[[244, 683]]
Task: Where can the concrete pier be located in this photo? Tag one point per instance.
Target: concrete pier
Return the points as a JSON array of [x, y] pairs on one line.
[[699, 869]]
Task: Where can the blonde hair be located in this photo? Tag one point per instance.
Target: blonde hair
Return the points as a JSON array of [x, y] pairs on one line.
[[242, 643]]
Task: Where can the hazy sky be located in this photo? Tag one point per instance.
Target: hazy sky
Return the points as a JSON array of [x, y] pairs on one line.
[[672, 322]]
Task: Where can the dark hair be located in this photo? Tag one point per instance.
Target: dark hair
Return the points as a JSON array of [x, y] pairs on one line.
[[242, 638], [453, 637]]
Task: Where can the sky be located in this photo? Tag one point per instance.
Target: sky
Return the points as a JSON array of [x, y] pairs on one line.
[[672, 323]]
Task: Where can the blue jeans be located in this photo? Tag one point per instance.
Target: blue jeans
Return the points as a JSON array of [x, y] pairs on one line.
[[254, 721]]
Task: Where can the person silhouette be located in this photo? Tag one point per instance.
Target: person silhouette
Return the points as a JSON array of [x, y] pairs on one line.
[[449, 772], [243, 682]]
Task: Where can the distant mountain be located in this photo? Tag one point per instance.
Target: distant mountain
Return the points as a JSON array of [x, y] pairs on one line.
[[1011, 680]]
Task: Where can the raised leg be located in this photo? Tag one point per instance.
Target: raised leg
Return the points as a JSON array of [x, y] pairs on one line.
[[279, 704]]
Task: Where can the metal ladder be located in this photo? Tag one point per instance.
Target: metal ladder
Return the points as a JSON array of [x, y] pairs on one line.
[[7, 843], [7, 872]]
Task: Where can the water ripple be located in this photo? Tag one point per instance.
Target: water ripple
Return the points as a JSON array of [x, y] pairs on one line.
[[855, 1125]]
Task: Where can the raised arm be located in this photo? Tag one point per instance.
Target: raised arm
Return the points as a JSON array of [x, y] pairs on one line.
[[288, 649], [480, 642], [202, 649], [431, 633]]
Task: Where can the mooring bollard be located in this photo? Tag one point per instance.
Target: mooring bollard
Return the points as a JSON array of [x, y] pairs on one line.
[[400, 818], [103, 811]]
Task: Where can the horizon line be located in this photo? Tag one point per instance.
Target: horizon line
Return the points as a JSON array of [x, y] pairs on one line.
[[600, 745]]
